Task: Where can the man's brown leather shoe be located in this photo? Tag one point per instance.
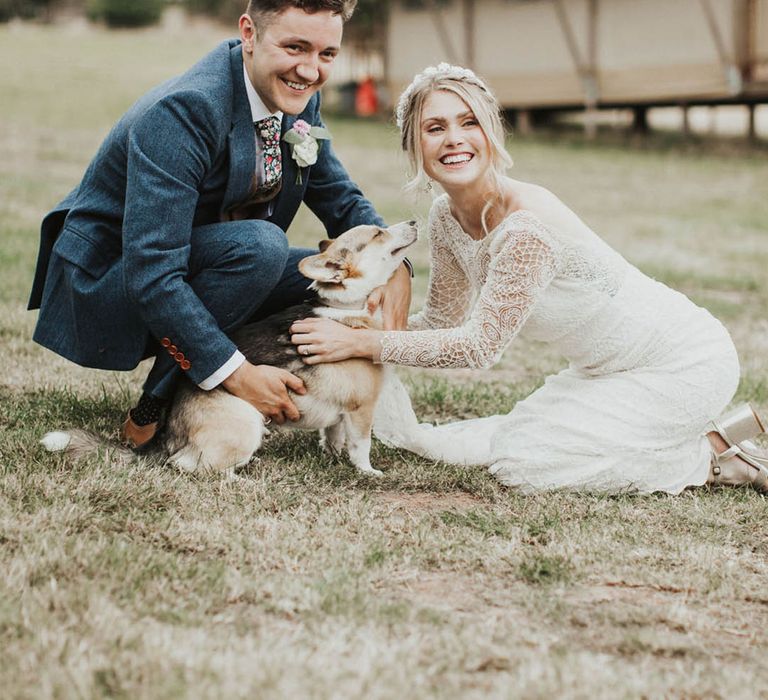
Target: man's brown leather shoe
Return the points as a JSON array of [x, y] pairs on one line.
[[137, 436]]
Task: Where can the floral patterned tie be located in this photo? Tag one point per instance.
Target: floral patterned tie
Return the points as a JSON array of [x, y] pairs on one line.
[[269, 130]]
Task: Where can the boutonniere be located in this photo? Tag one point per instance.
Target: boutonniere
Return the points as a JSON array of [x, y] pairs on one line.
[[303, 139]]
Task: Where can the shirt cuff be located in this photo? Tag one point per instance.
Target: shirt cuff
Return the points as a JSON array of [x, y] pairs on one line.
[[223, 372]]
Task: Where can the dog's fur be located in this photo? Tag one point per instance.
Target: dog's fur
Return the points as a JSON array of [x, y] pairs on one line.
[[216, 430]]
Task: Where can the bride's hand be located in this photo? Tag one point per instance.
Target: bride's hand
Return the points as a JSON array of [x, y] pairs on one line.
[[323, 340]]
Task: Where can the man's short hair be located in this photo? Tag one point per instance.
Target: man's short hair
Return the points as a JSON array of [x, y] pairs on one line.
[[262, 12]]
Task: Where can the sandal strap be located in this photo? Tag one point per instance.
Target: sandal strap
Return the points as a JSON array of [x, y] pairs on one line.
[[737, 452], [755, 462], [732, 451]]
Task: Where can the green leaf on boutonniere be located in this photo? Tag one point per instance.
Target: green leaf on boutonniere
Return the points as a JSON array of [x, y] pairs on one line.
[[292, 137], [320, 132]]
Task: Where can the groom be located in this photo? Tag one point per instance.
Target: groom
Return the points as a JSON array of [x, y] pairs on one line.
[[175, 236]]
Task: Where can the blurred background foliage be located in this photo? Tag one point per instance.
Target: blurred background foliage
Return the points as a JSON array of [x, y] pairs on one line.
[[24, 9], [125, 13], [368, 19]]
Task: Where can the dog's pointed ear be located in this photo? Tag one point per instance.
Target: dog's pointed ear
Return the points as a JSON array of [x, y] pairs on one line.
[[321, 268], [323, 245]]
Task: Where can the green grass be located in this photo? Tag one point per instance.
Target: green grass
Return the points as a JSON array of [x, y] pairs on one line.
[[303, 579]]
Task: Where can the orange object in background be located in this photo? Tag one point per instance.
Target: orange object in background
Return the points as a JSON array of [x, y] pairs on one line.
[[366, 99]]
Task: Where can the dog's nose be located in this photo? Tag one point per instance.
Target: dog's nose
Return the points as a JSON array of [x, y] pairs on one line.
[[412, 224]]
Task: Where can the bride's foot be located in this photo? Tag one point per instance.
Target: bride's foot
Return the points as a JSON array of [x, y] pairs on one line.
[[735, 460]]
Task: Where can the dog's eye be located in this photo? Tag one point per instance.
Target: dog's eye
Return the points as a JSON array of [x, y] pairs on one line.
[[379, 233]]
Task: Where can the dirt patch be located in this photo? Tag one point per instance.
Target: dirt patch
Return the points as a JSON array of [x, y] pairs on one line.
[[456, 591], [442, 589], [679, 618], [416, 503], [625, 591]]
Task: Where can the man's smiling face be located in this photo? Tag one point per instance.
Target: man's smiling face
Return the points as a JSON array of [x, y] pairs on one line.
[[292, 58]]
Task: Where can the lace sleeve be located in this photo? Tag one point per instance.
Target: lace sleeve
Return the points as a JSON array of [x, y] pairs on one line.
[[449, 291], [523, 265]]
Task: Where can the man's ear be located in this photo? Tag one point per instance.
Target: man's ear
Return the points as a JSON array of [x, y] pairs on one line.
[[323, 245], [321, 268], [247, 32]]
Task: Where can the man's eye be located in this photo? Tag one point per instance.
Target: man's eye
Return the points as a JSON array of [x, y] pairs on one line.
[[328, 55]]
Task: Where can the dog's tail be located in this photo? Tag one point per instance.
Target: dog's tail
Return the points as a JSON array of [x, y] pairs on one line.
[[79, 444]]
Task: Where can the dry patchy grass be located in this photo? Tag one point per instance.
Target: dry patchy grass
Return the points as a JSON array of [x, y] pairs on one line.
[[303, 579]]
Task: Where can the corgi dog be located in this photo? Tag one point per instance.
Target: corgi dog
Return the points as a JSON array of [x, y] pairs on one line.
[[215, 430]]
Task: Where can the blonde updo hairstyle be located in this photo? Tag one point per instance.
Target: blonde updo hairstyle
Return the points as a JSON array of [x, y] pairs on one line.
[[475, 93]]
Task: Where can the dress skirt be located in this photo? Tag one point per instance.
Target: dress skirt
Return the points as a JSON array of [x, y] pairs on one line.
[[635, 422]]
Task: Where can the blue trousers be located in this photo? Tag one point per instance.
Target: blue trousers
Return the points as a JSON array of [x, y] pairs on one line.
[[241, 271]]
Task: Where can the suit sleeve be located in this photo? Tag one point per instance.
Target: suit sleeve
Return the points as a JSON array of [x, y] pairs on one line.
[[169, 151], [332, 195]]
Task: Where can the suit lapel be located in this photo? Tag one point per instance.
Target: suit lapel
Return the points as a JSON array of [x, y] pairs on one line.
[[242, 140], [287, 190], [242, 153]]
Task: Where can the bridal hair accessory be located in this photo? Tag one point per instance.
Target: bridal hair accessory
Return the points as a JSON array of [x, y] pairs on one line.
[[433, 74], [303, 139]]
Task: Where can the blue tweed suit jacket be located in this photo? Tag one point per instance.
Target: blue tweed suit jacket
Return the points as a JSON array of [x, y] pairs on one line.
[[181, 157]]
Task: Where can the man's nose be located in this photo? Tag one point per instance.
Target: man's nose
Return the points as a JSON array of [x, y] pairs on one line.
[[308, 69]]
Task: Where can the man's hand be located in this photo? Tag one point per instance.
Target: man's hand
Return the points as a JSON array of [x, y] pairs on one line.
[[395, 300], [266, 388]]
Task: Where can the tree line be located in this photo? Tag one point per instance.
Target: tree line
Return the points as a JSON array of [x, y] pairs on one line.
[[368, 20]]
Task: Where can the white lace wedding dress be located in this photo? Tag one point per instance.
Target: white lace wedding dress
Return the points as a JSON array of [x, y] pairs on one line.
[[648, 369]]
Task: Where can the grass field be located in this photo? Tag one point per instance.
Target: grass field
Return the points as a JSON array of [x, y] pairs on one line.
[[302, 580]]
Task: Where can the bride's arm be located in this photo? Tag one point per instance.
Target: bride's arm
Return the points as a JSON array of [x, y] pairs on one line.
[[448, 291], [518, 272]]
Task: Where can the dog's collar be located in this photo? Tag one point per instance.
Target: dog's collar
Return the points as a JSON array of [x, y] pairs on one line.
[[340, 313], [343, 307]]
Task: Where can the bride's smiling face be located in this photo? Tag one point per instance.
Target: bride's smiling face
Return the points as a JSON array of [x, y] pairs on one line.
[[454, 148]]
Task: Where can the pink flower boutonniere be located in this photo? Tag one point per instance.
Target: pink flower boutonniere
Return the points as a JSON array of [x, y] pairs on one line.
[[303, 139]]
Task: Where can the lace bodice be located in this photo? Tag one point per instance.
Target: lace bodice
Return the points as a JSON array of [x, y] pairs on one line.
[[483, 293]]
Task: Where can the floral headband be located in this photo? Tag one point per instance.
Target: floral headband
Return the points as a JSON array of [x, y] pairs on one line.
[[433, 74]]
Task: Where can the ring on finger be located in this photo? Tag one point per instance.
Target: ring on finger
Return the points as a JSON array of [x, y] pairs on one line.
[[306, 351]]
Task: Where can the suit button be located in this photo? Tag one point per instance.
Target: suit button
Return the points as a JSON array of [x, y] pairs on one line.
[[185, 364], [172, 349], [165, 342], [179, 356]]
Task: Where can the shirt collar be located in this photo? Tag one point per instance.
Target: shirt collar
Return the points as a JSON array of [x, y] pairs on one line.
[[259, 110]]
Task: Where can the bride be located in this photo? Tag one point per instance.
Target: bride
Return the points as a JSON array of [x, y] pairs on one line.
[[648, 372]]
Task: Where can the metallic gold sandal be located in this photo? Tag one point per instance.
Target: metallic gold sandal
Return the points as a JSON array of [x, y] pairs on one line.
[[739, 424], [739, 464]]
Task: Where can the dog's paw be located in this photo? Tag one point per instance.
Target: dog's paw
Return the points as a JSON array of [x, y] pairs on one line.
[[230, 476], [370, 471], [332, 450], [332, 441]]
